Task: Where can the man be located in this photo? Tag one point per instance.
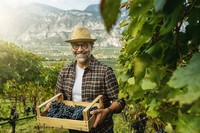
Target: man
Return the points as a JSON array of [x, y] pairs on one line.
[[86, 78]]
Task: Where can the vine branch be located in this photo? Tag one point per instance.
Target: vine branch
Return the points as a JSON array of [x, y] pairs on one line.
[[171, 112]]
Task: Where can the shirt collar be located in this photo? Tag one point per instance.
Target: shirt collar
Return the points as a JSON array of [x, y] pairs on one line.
[[91, 66]]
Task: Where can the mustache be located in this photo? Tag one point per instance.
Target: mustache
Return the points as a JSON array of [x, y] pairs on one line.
[[81, 53]]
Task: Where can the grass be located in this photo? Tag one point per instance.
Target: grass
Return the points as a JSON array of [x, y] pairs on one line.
[[31, 126]]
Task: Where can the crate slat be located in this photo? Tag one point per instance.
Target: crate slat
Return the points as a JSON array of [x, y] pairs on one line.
[[81, 125], [64, 123]]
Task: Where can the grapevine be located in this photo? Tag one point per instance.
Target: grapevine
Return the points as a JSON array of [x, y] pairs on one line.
[[159, 63]]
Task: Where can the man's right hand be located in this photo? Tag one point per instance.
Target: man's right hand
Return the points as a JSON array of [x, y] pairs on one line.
[[48, 106]]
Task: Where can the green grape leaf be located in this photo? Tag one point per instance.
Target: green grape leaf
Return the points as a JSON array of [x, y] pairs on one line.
[[169, 128], [152, 109], [131, 81], [140, 8], [152, 113], [195, 107], [109, 12], [147, 84], [134, 45], [140, 65], [188, 97], [135, 26], [189, 77], [121, 94], [123, 77], [155, 73], [135, 92], [147, 30], [172, 19], [152, 105], [188, 123]]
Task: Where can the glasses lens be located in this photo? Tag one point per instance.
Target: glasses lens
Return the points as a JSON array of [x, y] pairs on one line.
[[76, 46], [84, 46]]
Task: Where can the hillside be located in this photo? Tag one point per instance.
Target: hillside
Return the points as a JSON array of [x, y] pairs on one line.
[[39, 24]]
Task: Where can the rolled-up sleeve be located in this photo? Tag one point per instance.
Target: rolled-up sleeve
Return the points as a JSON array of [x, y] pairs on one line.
[[59, 84], [111, 84]]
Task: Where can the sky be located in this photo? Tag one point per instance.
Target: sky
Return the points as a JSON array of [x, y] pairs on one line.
[[62, 4]]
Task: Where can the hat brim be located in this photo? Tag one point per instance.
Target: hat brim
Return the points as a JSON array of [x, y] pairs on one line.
[[80, 40]]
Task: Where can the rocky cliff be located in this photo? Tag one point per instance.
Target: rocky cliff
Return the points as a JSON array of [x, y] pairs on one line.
[[38, 24]]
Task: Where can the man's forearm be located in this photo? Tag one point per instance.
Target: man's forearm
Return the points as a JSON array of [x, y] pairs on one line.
[[117, 106]]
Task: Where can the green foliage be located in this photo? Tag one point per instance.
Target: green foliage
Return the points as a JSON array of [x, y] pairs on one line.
[[109, 11], [188, 78], [23, 77], [15, 63], [158, 67]]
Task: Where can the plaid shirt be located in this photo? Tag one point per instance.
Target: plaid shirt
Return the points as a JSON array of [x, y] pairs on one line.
[[98, 79]]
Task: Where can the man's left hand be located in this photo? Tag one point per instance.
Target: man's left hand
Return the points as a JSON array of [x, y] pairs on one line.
[[100, 114]]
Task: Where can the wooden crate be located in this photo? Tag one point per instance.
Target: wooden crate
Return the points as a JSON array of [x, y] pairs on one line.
[[81, 125]]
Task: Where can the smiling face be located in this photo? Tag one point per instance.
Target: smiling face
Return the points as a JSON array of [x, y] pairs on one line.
[[82, 52]]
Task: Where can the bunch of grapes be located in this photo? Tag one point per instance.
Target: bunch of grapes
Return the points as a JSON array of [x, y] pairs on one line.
[[158, 128], [139, 124], [60, 110]]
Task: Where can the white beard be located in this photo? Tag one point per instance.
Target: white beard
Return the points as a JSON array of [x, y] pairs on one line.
[[82, 58]]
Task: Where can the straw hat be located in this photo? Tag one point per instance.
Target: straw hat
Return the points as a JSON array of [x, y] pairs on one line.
[[81, 35]]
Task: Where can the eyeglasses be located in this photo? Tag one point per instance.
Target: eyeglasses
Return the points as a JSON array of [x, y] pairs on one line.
[[83, 46]]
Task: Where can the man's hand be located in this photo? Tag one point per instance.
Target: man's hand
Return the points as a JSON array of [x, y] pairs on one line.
[[48, 106], [100, 114]]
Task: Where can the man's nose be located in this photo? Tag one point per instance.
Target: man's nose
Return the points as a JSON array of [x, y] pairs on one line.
[[79, 48]]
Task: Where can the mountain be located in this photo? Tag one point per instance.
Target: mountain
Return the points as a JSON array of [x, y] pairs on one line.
[[93, 9], [39, 24]]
